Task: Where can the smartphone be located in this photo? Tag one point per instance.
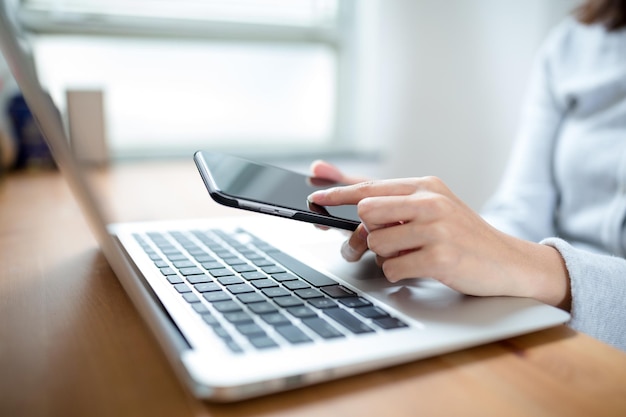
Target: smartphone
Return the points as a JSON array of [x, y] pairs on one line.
[[240, 183]]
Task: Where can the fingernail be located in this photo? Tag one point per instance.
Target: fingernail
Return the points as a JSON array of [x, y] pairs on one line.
[[349, 253], [315, 195]]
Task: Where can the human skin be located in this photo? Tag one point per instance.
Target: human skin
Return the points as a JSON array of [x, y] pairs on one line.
[[418, 228]]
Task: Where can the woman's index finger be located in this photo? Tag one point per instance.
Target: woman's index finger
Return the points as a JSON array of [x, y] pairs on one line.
[[352, 194]]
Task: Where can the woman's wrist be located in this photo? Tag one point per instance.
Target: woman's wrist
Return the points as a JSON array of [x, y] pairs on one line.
[[549, 279]]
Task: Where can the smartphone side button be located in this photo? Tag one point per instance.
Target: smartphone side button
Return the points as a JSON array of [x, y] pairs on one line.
[[280, 212], [286, 213]]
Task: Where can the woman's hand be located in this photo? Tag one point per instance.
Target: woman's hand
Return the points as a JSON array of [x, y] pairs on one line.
[[418, 228], [356, 245], [327, 171]]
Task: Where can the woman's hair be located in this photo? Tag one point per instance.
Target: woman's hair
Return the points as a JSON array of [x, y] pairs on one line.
[[610, 13]]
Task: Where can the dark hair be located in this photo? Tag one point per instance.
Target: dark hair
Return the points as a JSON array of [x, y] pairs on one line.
[[610, 13]]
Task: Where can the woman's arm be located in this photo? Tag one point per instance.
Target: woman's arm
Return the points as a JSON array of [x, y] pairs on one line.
[[598, 292], [418, 228]]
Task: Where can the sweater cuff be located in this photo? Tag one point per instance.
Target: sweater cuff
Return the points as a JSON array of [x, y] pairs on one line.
[[598, 292]]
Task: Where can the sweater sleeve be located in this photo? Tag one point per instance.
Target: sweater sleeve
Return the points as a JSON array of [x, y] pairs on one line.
[[528, 198], [598, 286], [525, 201]]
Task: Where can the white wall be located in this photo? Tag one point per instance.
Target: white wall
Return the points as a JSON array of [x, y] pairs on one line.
[[447, 85]]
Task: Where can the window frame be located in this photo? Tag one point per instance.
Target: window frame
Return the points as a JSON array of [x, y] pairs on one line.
[[340, 37]]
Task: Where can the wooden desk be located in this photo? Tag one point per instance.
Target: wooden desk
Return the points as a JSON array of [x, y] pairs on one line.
[[71, 343]]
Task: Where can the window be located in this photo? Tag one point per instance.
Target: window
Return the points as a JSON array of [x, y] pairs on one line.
[[119, 13], [178, 75]]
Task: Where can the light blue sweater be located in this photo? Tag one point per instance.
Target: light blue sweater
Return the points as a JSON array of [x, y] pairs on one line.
[[565, 185]]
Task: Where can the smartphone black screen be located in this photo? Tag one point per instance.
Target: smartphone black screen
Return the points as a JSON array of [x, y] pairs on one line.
[[241, 183]]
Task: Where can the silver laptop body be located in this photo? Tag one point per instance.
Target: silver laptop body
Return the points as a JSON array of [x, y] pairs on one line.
[[232, 336]]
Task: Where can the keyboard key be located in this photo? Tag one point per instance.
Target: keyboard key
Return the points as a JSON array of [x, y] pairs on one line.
[[194, 270], [198, 279], [301, 312], [195, 251], [233, 346], [354, 302], [308, 293], [238, 317], [238, 247], [222, 272], [313, 277], [244, 268], [389, 323], [284, 276], [208, 318], [235, 260], [250, 254], [200, 308], [275, 319], [176, 257], [207, 287], [293, 334], [226, 306], [204, 258], [253, 275], [260, 262], [221, 332], [250, 297], [262, 308], [213, 245], [262, 342], [174, 279], [182, 288], [191, 298], [169, 250], [230, 280], [347, 320], [215, 296], [239, 288], [288, 301], [184, 264], [371, 312], [322, 327], [273, 269], [168, 271], [222, 253], [296, 285], [250, 329], [212, 265], [264, 283], [275, 292], [322, 303], [338, 291]]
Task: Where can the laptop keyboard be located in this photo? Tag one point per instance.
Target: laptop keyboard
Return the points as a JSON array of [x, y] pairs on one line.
[[255, 296]]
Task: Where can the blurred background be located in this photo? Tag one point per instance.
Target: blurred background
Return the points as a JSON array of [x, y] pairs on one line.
[[383, 88]]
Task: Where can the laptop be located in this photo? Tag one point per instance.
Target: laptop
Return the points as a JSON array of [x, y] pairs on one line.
[[246, 306]]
